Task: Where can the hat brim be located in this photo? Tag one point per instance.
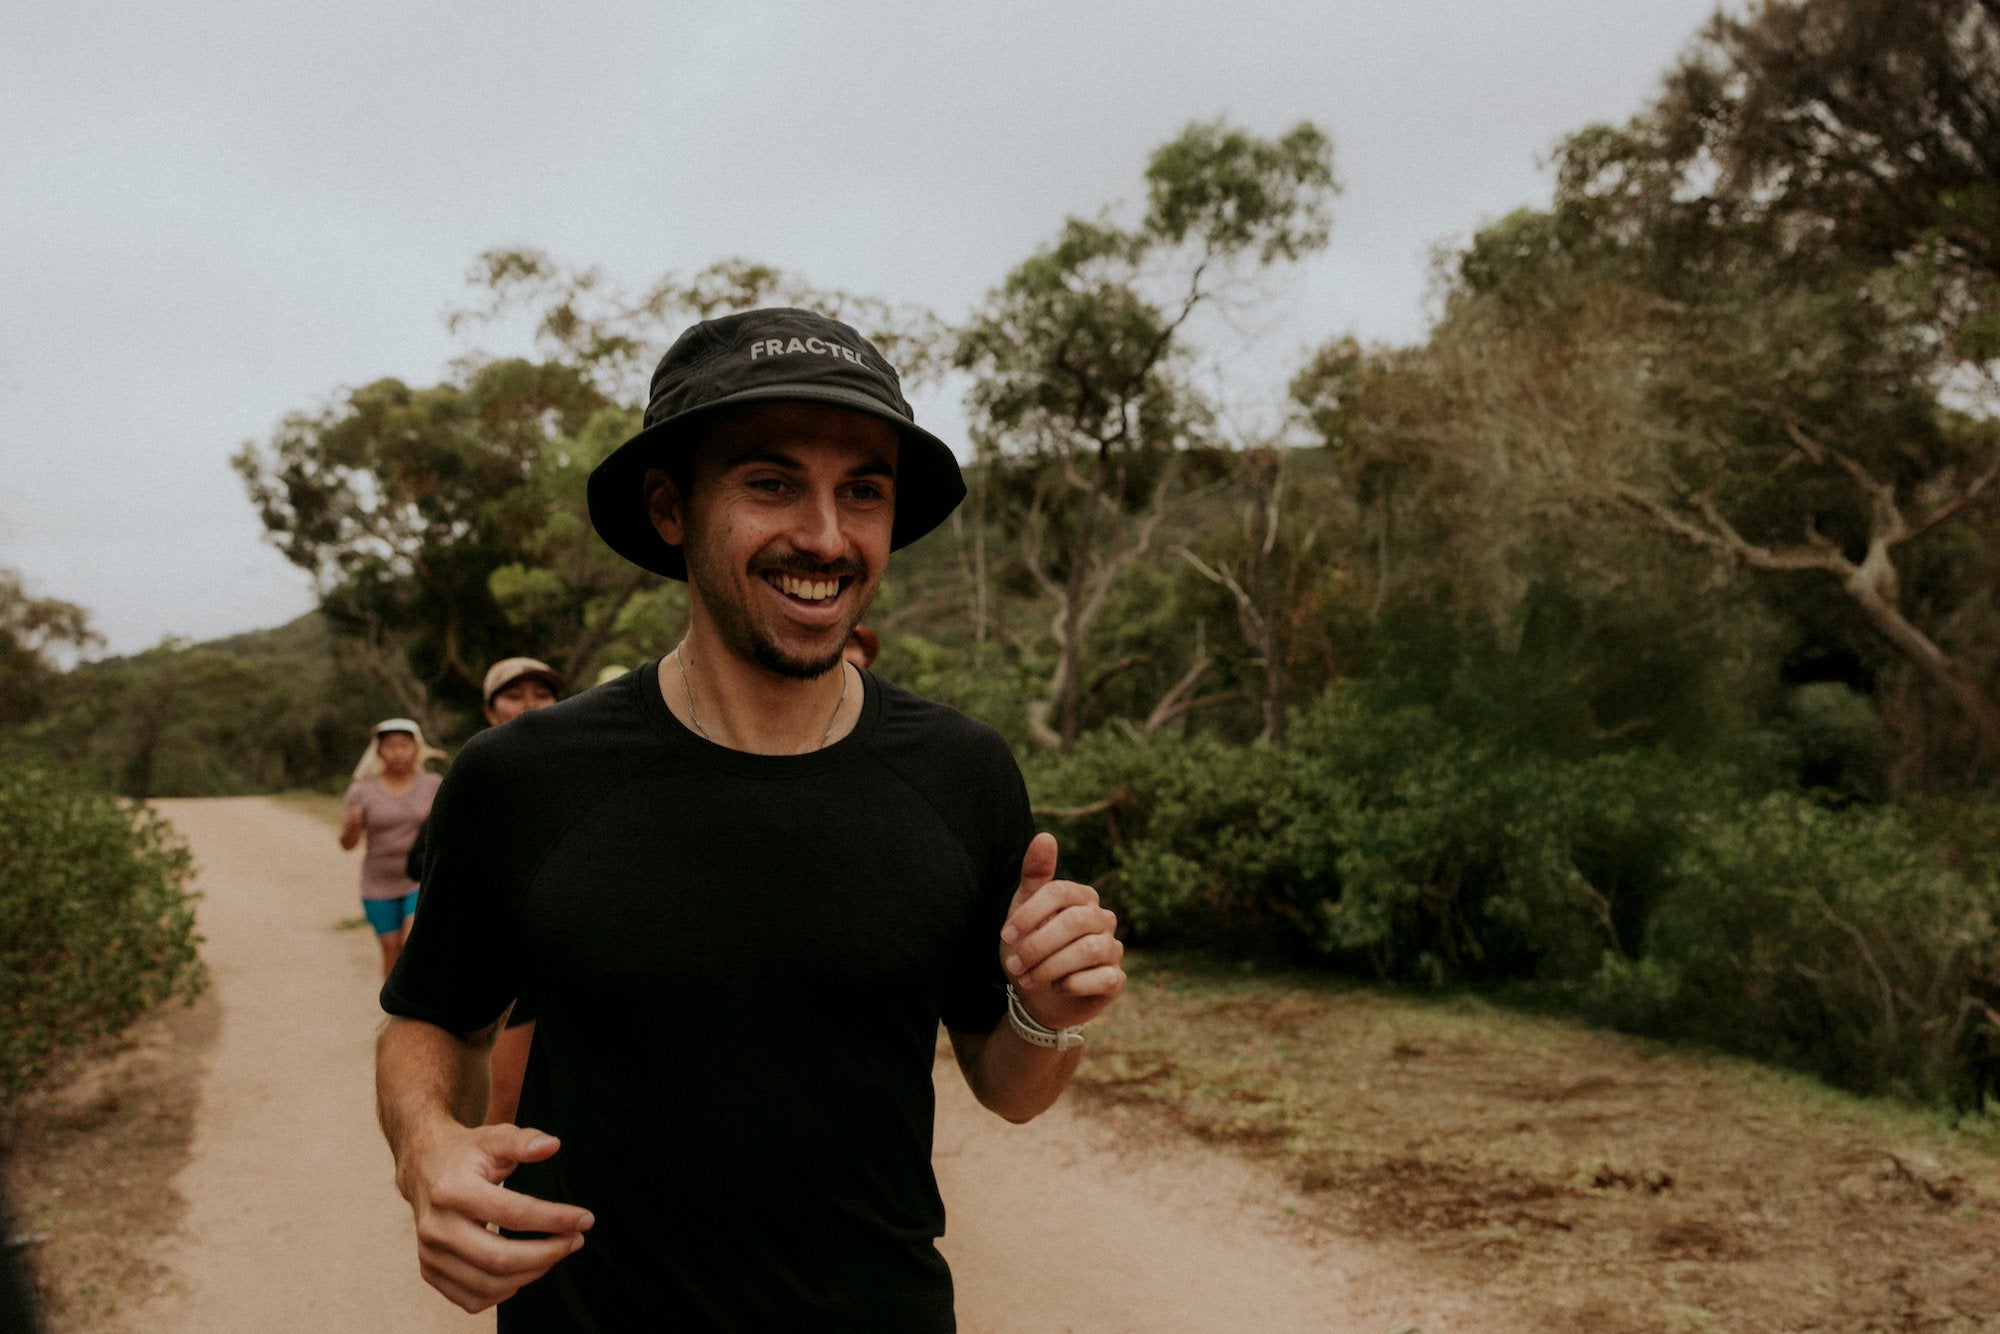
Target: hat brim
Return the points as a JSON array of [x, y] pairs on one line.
[[929, 485]]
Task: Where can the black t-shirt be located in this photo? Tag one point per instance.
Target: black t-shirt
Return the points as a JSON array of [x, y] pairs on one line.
[[739, 963]]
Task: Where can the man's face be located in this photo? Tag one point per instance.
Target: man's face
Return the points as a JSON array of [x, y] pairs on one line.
[[518, 697], [786, 531]]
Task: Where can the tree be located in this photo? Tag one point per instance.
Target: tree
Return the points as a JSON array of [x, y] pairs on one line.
[[1858, 133], [33, 632], [1083, 376], [1271, 572], [1860, 142], [403, 502], [1756, 318], [172, 721], [585, 320], [1488, 575], [1371, 412]]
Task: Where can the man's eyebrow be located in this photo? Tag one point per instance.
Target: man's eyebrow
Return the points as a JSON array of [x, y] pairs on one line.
[[777, 458], [771, 457]]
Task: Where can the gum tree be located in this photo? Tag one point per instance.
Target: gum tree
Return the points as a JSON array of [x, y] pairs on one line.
[[1084, 390], [1763, 317]]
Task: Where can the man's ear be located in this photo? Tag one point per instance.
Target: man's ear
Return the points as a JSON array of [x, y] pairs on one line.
[[663, 506]]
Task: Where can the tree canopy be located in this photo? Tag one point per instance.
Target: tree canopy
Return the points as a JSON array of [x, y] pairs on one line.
[[1752, 319], [33, 633]]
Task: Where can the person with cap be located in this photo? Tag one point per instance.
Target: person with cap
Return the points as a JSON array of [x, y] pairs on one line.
[[745, 883], [386, 804], [513, 686]]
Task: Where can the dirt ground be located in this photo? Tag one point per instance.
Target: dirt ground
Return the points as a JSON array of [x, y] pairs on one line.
[[92, 1154], [1595, 1182], [222, 1170]]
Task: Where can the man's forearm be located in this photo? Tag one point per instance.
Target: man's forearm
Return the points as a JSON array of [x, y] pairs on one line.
[[1016, 1079], [425, 1077]]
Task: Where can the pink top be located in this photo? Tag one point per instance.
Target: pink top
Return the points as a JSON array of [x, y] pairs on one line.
[[390, 821]]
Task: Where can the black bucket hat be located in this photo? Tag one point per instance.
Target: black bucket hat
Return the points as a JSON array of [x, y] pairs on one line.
[[762, 356]]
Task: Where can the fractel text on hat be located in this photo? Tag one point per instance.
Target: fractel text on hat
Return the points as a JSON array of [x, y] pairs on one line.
[[777, 347]]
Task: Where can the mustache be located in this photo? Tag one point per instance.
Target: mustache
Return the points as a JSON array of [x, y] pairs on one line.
[[797, 563]]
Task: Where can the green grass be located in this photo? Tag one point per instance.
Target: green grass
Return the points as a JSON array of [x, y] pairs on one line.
[[1180, 1029], [1567, 1168]]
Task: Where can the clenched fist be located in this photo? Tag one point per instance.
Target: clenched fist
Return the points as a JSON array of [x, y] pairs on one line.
[[1059, 947]]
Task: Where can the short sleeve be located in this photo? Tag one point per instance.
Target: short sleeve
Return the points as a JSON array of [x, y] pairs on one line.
[[420, 851], [461, 964], [351, 799], [976, 995]]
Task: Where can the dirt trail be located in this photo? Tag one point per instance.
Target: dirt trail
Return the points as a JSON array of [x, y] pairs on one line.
[[292, 1220], [293, 1224]]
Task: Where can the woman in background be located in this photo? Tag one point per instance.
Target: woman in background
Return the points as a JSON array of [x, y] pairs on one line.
[[386, 804]]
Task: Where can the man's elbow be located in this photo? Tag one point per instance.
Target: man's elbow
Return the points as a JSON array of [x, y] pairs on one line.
[[1019, 1116], [1015, 1105], [1001, 1086]]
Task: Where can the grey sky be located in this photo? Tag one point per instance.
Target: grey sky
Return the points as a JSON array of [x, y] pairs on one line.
[[213, 214]]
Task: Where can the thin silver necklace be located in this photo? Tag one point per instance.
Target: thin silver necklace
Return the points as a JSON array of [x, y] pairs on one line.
[[680, 661]]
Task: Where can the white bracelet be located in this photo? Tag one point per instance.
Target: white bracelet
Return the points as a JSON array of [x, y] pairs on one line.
[[1036, 1033]]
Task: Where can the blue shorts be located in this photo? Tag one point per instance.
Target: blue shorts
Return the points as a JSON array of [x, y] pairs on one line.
[[387, 915]]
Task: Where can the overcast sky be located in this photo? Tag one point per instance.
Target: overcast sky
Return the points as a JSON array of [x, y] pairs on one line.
[[215, 214]]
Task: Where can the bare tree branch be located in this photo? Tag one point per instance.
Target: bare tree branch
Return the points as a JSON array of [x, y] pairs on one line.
[[1173, 703], [1886, 522], [1717, 534], [1970, 494], [1116, 669], [1158, 719], [1246, 608], [1098, 807]]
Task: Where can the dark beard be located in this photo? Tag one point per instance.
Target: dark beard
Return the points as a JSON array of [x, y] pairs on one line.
[[766, 655], [743, 636]]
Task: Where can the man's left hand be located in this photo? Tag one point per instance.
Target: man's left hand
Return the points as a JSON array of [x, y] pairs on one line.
[[1058, 945]]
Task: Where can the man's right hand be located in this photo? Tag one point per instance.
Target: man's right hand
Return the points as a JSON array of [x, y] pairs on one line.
[[453, 1182]]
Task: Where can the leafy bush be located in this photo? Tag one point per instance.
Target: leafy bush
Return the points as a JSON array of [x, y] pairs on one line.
[[1645, 887], [1840, 941], [985, 685], [1453, 857], [1380, 840], [1196, 847], [96, 923]]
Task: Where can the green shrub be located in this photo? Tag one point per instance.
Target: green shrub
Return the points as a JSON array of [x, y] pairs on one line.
[[1839, 941], [1196, 849], [1453, 857], [985, 684], [1645, 887], [96, 923], [1380, 840]]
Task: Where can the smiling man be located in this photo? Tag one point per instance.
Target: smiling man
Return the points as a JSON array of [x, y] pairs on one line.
[[745, 885]]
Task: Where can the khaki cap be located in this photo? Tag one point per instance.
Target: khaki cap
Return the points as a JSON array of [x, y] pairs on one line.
[[509, 670]]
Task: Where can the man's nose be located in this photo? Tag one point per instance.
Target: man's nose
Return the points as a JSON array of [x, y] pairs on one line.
[[816, 527]]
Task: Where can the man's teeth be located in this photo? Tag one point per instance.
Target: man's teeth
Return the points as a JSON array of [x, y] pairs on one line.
[[812, 590]]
